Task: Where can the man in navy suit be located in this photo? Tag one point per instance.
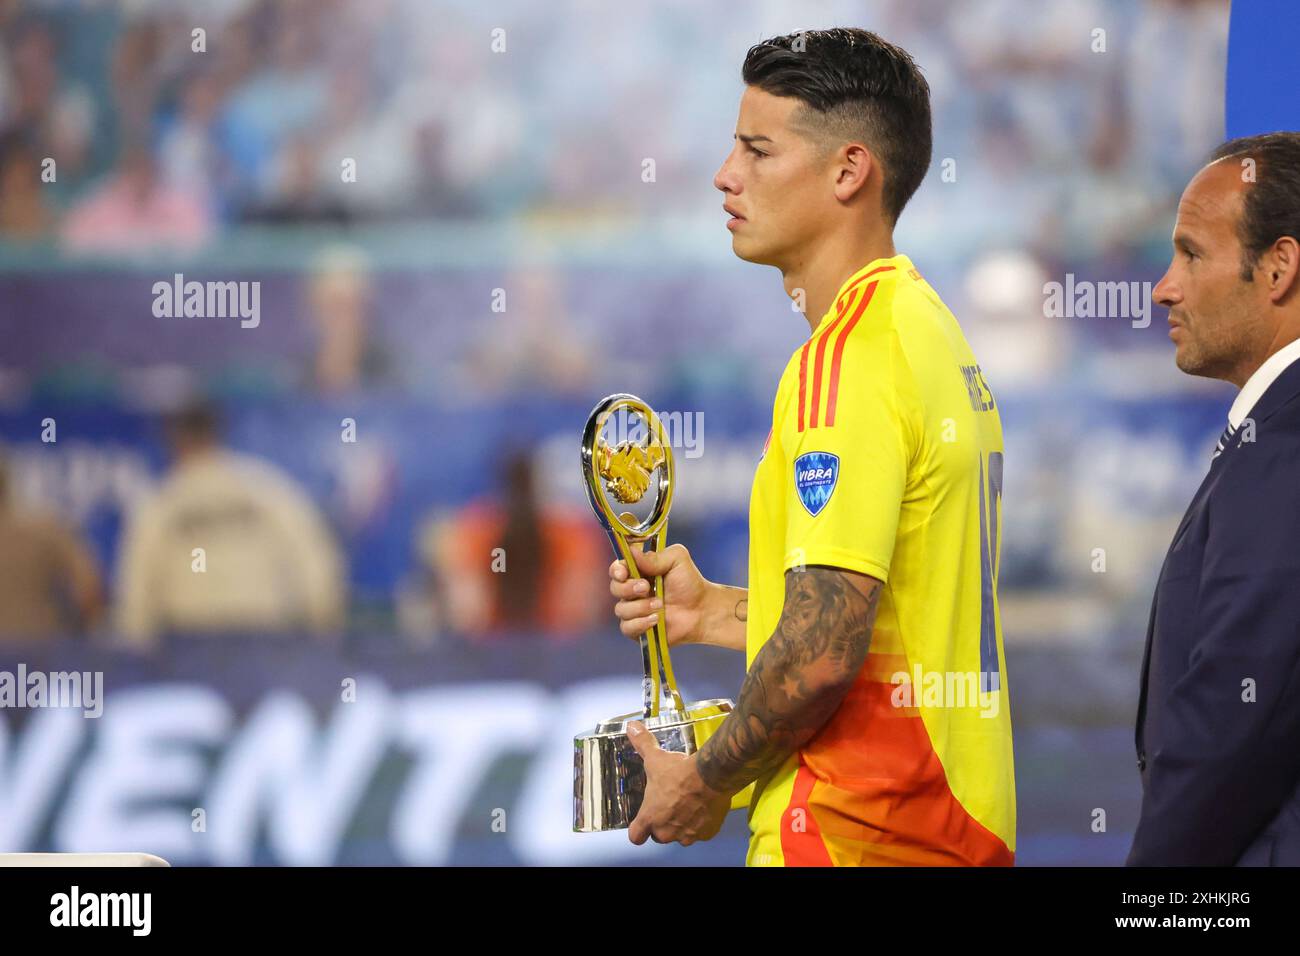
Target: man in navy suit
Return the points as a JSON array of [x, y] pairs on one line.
[[1218, 722]]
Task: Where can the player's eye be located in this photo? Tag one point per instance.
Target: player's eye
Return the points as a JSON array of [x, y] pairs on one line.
[[756, 152]]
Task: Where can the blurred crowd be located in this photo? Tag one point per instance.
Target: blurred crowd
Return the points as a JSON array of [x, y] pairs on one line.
[[1064, 133], [168, 123]]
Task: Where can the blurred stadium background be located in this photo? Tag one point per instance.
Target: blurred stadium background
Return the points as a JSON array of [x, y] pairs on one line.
[[432, 334]]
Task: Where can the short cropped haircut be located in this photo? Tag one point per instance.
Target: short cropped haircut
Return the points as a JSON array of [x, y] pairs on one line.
[[854, 86]]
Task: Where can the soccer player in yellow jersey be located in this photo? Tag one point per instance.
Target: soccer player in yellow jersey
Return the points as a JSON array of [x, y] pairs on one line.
[[873, 720]]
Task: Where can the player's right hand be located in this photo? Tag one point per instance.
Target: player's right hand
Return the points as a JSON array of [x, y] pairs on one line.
[[685, 593]]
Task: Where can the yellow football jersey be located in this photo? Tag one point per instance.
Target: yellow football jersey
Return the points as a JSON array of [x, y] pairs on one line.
[[885, 458]]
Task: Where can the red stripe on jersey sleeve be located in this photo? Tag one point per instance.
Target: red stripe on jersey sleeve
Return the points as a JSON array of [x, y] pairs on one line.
[[821, 354], [834, 388], [803, 379]]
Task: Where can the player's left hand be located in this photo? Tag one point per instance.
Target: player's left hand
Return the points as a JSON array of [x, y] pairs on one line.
[[678, 806]]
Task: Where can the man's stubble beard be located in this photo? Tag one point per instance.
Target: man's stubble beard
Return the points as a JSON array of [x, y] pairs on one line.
[[1218, 359], [1192, 359]]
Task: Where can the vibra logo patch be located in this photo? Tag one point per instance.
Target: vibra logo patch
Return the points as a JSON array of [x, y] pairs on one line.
[[815, 474]]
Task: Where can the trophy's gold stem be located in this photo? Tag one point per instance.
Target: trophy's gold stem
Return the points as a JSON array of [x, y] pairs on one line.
[[659, 685]]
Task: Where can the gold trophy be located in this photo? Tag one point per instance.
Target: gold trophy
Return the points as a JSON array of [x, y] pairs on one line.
[[608, 775]]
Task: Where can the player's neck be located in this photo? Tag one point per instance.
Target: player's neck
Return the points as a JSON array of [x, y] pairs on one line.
[[820, 271]]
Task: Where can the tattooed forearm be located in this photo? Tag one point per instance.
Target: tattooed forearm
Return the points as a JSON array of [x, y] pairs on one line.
[[798, 677]]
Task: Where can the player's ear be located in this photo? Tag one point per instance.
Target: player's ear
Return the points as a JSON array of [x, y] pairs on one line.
[[854, 164]]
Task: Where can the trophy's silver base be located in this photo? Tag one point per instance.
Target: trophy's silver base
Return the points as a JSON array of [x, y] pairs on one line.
[[608, 774]]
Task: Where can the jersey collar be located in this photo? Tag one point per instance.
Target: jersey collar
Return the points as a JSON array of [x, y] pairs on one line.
[[876, 268]]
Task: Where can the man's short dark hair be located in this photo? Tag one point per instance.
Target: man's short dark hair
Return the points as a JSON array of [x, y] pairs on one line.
[[855, 86], [196, 420], [1271, 206]]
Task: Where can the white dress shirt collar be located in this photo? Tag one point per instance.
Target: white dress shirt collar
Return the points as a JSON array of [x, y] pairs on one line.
[[1258, 383]]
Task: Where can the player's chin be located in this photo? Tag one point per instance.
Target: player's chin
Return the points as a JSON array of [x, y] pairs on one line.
[[746, 248]]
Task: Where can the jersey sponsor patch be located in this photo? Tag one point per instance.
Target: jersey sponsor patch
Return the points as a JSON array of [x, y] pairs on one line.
[[815, 474]]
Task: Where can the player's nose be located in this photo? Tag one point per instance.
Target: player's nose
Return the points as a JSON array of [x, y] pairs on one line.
[[725, 179]]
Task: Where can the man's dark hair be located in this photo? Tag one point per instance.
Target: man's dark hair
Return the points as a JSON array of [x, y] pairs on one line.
[[196, 420], [1271, 206], [854, 86]]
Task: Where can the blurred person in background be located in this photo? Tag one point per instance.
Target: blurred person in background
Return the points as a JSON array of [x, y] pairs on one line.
[[25, 213], [54, 117], [134, 210], [292, 190], [284, 93], [380, 142], [49, 581], [339, 298], [536, 345], [268, 564], [544, 579], [191, 157]]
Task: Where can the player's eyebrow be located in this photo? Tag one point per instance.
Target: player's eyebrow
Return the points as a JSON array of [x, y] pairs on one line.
[[753, 139], [1184, 244]]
